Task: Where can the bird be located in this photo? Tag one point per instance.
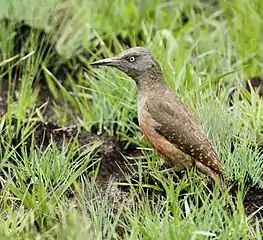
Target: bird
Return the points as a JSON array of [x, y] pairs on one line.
[[170, 127]]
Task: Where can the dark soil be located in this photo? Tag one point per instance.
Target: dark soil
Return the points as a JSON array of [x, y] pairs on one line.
[[253, 201], [112, 163], [110, 153]]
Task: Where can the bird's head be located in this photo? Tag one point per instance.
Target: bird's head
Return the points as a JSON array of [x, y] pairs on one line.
[[136, 62]]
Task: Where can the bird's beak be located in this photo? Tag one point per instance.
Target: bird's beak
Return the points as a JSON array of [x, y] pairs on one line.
[[113, 61]]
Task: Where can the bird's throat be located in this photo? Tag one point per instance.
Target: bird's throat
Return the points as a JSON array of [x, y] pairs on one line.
[[150, 81]]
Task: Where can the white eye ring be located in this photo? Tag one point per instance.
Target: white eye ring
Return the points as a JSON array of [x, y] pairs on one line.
[[132, 59]]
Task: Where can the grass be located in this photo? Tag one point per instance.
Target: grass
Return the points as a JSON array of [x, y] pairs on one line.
[[220, 44]]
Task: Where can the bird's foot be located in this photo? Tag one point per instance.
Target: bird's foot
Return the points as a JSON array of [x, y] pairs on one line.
[[168, 170], [174, 171]]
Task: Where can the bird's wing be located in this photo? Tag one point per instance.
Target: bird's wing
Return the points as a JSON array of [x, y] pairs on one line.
[[178, 125]]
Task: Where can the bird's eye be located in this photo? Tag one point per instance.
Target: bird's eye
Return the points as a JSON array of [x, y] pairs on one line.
[[132, 59]]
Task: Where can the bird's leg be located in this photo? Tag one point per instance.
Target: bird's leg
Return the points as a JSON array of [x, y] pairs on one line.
[[175, 171], [204, 169], [169, 170]]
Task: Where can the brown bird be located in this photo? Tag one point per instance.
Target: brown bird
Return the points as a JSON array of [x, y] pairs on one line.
[[164, 120]]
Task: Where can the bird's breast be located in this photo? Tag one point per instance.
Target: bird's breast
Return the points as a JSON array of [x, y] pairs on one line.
[[141, 106]]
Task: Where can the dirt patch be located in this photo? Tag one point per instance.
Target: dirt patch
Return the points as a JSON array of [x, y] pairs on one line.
[[110, 152], [3, 98], [253, 201]]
